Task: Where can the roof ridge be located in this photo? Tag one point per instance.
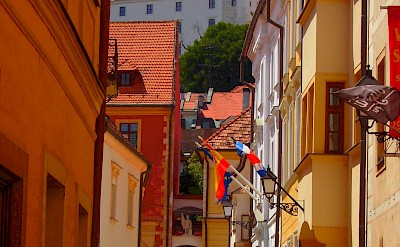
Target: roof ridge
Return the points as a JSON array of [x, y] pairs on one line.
[[228, 124]]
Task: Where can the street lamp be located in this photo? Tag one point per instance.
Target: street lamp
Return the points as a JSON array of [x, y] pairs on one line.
[[367, 79], [228, 209], [228, 214], [269, 183]]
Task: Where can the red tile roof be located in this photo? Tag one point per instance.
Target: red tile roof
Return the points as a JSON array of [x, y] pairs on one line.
[[149, 47], [224, 105], [190, 105], [238, 128]]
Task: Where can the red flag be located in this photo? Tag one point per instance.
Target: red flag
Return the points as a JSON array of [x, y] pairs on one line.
[[394, 57]]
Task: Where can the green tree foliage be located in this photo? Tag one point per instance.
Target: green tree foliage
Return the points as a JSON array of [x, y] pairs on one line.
[[214, 60], [191, 179]]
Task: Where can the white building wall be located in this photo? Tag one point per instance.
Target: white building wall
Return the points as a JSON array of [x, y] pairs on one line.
[[116, 232], [194, 16], [265, 56]]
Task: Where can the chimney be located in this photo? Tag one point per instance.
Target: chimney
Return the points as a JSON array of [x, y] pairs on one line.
[[200, 99], [246, 98], [209, 95]]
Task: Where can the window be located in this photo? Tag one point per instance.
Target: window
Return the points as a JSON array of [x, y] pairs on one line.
[[296, 240], [233, 3], [122, 11], [55, 195], [283, 152], [178, 6], [211, 4], [307, 123], [297, 126], [149, 9], [131, 197], [290, 134], [334, 119], [130, 132], [83, 226], [126, 78], [10, 208], [115, 171], [211, 22]]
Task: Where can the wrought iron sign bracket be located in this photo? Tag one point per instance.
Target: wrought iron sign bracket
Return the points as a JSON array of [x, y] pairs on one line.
[[290, 208], [244, 224]]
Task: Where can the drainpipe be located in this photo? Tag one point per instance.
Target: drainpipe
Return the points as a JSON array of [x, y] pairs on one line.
[[100, 123], [364, 129], [141, 186], [278, 201], [169, 192]]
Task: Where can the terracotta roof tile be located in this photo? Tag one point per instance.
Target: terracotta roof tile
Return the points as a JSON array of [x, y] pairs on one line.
[[224, 105], [150, 48], [238, 128]]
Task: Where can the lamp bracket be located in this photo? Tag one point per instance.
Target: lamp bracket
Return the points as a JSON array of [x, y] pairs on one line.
[[290, 208], [391, 144], [244, 224]]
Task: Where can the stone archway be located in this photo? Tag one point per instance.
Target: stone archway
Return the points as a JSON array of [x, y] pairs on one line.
[[307, 237]]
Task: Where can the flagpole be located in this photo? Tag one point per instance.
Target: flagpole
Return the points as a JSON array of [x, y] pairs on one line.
[[245, 180], [238, 174], [244, 188]]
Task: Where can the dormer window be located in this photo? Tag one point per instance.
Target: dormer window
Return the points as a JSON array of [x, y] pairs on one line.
[[126, 78]]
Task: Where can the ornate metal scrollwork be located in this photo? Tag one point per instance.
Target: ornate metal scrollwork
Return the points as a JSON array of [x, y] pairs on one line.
[[391, 143], [290, 208], [244, 224]]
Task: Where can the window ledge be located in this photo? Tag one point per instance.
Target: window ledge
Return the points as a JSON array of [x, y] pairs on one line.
[[113, 221], [130, 227]]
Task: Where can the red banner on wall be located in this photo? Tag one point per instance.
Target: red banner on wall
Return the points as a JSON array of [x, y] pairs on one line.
[[394, 57]]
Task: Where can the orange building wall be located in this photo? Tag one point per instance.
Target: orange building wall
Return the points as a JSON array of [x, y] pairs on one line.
[[49, 100]]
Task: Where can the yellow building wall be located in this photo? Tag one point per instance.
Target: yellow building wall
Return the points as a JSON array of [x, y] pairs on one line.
[[309, 44], [332, 37], [324, 188], [49, 101], [217, 224], [290, 222]]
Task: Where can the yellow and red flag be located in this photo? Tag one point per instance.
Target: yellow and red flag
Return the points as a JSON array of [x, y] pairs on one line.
[[220, 167]]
